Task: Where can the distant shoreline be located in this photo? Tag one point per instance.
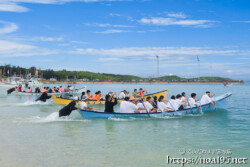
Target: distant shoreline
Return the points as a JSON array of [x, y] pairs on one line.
[[123, 82]]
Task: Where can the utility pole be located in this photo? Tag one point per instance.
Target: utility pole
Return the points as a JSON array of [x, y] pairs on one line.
[[198, 68], [158, 71]]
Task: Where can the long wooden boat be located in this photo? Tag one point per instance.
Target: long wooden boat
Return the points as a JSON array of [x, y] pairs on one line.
[[221, 102], [62, 101], [75, 91]]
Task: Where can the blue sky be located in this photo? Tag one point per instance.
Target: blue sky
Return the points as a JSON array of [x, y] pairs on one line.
[[124, 36]]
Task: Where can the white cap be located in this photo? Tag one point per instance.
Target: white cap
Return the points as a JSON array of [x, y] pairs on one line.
[[76, 98]]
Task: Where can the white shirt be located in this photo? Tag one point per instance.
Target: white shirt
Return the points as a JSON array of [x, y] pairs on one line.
[[122, 95], [161, 106], [192, 102], [183, 98], [82, 105], [128, 107], [205, 99], [140, 105], [175, 104], [148, 106]]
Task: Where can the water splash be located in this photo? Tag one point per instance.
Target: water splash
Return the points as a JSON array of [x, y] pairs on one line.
[[31, 103], [53, 117]]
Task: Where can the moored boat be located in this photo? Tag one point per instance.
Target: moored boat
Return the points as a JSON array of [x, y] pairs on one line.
[[62, 101], [221, 102]]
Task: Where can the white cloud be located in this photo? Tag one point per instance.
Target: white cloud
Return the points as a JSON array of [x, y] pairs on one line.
[[14, 49], [177, 15], [139, 53], [173, 21], [107, 25], [50, 39], [112, 31], [14, 5], [241, 21], [8, 27]]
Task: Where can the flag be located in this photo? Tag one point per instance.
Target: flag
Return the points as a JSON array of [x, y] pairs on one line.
[[37, 73], [0, 71]]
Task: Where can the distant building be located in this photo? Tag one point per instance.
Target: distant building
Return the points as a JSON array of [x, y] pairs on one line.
[[53, 79]]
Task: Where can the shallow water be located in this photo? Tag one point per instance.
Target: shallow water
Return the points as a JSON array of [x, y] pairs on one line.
[[31, 133]]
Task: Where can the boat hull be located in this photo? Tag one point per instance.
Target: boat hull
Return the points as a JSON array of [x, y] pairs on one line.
[[221, 102], [93, 102]]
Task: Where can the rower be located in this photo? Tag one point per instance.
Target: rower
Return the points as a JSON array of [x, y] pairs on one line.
[[88, 94], [37, 90], [149, 106], [60, 89], [109, 104], [29, 90], [141, 92], [83, 105], [19, 89], [44, 96], [128, 106], [65, 94], [83, 96], [154, 102], [162, 106], [110, 93], [44, 89], [206, 99], [192, 101], [66, 110], [172, 103], [135, 93], [183, 96], [180, 103], [122, 94]]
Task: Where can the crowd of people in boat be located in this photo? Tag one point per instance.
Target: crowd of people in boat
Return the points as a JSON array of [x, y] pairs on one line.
[[138, 105], [58, 89]]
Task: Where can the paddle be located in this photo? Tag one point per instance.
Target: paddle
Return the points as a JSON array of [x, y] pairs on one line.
[[173, 107], [190, 107], [201, 112], [145, 107]]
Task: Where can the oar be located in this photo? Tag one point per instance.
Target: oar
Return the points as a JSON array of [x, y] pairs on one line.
[[173, 107], [146, 108], [190, 107], [201, 112]]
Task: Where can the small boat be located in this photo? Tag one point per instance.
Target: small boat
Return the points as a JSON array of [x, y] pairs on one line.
[[62, 101], [221, 102], [75, 91]]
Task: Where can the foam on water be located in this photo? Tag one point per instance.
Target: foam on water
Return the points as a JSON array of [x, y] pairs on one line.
[[53, 117], [121, 119], [31, 103]]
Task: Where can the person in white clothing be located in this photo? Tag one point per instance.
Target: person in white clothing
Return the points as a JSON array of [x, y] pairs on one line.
[[149, 106], [206, 99], [176, 104], [192, 101], [122, 95], [180, 102], [83, 105], [128, 106], [183, 97], [162, 106]]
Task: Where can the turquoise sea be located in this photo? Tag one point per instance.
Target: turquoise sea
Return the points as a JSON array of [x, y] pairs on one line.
[[32, 135]]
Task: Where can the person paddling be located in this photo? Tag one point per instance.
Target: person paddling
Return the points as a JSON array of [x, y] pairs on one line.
[[66, 110], [44, 96], [109, 104]]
